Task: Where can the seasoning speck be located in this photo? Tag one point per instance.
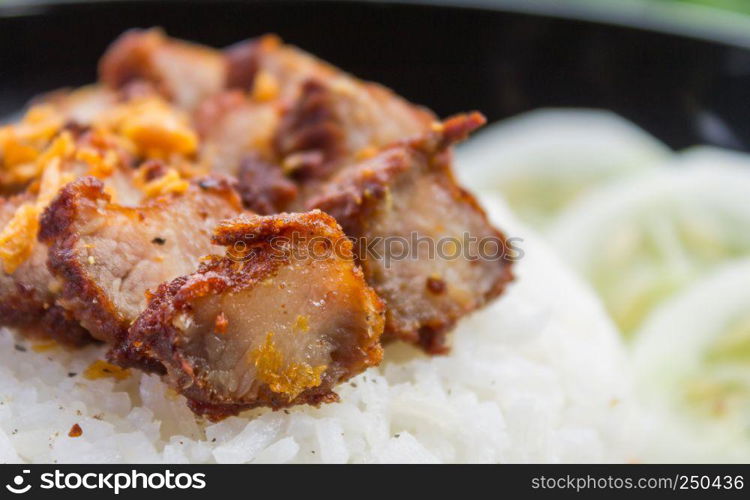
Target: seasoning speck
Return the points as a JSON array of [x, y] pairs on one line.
[[75, 431], [101, 369], [435, 285], [221, 323]]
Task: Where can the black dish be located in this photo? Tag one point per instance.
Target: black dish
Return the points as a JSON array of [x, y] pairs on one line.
[[683, 89]]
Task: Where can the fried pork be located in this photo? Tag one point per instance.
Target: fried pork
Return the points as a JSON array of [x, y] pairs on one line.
[[152, 212], [279, 320], [106, 256], [424, 243]]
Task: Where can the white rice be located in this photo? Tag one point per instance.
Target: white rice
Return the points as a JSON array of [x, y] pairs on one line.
[[540, 376]]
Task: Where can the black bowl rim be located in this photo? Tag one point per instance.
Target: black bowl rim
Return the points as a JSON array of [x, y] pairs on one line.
[[688, 21]]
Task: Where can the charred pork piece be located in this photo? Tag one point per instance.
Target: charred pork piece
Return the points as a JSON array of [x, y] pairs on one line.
[[424, 243], [278, 321], [326, 112], [333, 122], [107, 256], [183, 72], [270, 70], [232, 126], [263, 187], [300, 112], [27, 290], [237, 139]]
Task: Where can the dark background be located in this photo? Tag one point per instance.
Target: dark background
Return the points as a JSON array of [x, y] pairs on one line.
[[682, 89]]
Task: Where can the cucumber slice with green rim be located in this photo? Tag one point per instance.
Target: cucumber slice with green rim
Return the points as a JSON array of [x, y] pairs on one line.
[[542, 160], [639, 241], [692, 360]]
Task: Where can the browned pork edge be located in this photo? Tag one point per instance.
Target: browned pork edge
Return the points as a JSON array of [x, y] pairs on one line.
[[263, 187], [56, 230], [183, 72], [152, 341], [21, 305], [352, 196], [355, 196], [326, 117], [313, 128], [35, 318], [92, 307]]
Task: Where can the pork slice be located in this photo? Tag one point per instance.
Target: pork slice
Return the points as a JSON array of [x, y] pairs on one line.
[[263, 187], [278, 321], [232, 126], [27, 289], [300, 114], [300, 111], [424, 243], [27, 295], [183, 72], [340, 120], [108, 256]]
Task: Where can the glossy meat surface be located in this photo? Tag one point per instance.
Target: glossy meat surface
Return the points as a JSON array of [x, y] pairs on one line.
[[278, 321], [184, 72], [424, 243], [28, 292], [299, 112], [27, 295], [107, 256]]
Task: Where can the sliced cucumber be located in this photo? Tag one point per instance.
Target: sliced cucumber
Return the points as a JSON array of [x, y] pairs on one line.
[[541, 161], [692, 360], [639, 241]]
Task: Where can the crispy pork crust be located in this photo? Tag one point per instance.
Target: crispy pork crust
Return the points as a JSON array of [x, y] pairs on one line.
[[21, 307], [183, 72], [28, 295], [316, 118], [263, 187], [243, 62], [158, 342], [26, 298], [361, 197], [57, 229], [313, 130], [355, 194], [335, 120], [83, 293]]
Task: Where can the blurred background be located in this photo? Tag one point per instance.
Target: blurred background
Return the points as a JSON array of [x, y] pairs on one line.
[[741, 6], [736, 6], [620, 135], [729, 5]]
